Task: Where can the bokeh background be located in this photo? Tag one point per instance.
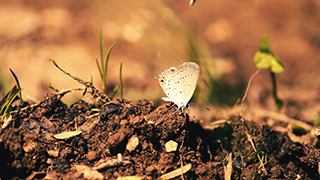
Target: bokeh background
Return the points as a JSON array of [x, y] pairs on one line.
[[151, 36]]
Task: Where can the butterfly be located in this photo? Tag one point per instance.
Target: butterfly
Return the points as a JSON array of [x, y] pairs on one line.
[[180, 83]]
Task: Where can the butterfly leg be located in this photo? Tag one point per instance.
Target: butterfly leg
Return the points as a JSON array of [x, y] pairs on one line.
[[171, 106]]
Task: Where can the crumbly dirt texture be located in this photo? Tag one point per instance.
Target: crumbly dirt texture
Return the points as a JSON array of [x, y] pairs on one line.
[[105, 149]]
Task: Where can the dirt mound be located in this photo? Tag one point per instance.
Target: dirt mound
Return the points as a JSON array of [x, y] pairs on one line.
[[133, 138]]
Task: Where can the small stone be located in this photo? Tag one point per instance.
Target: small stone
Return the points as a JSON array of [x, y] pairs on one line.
[[53, 153], [132, 144], [171, 146], [30, 146], [119, 156], [49, 161], [124, 122], [92, 155]]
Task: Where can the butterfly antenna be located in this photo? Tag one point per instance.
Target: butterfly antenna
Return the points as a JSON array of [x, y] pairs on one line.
[[204, 107]]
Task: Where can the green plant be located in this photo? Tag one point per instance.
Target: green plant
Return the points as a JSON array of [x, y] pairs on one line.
[[120, 81], [18, 84], [115, 89], [4, 111], [103, 66], [16, 90], [53, 88], [316, 119], [120, 85], [266, 59]]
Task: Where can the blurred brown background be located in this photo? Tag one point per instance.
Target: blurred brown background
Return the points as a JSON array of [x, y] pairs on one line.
[[152, 36]]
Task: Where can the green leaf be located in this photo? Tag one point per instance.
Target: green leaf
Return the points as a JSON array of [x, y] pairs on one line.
[[262, 60], [265, 59], [264, 45], [276, 65]]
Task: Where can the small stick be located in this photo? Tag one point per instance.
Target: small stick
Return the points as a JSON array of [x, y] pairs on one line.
[[247, 90], [95, 91], [249, 137]]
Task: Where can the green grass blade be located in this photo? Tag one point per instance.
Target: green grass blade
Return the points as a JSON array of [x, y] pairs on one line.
[[91, 80], [120, 75], [101, 51], [114, 92], [100, 71], [103, 65], [12, 99], [4, 105], [18, 84], [107, 60], [8, 103], [53, 88]]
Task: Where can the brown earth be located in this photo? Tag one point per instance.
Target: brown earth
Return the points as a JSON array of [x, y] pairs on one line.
[[29, 150]]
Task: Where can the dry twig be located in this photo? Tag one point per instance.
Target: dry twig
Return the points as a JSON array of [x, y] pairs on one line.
[[95, 92]]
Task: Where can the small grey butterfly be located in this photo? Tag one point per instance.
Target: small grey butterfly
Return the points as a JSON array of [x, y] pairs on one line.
[[180, 83]]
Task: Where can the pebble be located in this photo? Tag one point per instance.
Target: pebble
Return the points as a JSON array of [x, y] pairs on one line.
[[171, 146], [53, 153], [132, 144], [92, 155]]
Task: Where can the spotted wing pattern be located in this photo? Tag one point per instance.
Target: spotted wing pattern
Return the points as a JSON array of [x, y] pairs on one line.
[[180, 83]]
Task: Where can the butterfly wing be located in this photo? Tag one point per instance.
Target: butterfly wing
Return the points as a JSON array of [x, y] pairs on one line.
[[165, 81], [180, 83], [189, 78]]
